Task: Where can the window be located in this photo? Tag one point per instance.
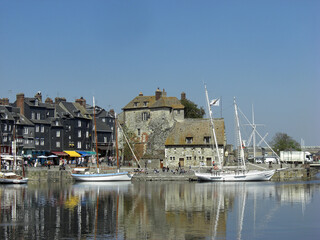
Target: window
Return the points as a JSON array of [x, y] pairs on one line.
[[57, 123], [79, 123], [207, 139], [26, 141], [36, 141], [38, 116], [42, 141], [138, 131], [79, 145], [79, 133], [144, 116], [105, 139], [58, 133], [5, 139], [136, 104], [42, 128], [145, 104], [189, 157], [189, 139], [37, 128], [57, 144], [87, 134], [5, 127], [32, 115], [103, 120], [25, 130]]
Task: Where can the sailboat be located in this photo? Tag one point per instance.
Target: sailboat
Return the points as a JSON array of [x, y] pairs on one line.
[[84, 174], [241, 173]]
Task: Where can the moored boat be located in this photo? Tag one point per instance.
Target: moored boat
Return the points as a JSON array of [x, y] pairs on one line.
[[11, 177], [83, 174], [241, 174]]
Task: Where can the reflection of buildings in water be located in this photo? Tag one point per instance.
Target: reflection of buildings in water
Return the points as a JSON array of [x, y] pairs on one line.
[[153, 210], [294, 193]]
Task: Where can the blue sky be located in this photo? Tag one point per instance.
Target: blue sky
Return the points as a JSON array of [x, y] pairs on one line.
[[264, 53]]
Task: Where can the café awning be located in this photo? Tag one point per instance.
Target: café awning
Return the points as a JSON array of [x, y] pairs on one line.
[[86, 153], [73, 153], [60, 154]]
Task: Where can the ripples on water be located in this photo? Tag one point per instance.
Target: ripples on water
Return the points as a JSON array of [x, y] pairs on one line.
[[161, 210]]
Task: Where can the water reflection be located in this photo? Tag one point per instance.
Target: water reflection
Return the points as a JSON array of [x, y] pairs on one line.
[[153, 210]]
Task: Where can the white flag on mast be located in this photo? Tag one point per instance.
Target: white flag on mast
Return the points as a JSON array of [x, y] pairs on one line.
[[215, 102]]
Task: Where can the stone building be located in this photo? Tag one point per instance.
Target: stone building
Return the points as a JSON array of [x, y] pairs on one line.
[[150, 119], [191, 143]]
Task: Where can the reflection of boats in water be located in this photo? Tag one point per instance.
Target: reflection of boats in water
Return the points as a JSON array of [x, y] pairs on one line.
[[104, 186]]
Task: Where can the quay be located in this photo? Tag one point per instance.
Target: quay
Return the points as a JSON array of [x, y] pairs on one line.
[[53, 174]]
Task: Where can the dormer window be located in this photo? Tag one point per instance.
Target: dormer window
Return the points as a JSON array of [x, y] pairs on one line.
[[207, 139], [135, 104], [189, 139], [145, 104], [36, 102]]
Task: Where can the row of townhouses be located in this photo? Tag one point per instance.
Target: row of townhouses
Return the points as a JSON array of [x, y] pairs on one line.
[[53, 127], [155, 126]]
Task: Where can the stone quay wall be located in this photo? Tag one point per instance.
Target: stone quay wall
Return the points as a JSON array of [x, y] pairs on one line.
[[56, 175]]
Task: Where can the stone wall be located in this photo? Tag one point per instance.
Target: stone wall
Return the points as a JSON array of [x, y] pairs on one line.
[[192, 156]]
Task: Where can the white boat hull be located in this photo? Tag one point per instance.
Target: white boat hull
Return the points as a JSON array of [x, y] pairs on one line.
[[254, 175], [102, 177], [13, 181]]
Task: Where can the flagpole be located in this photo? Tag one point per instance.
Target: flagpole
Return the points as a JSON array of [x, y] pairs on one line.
[[221, 106]]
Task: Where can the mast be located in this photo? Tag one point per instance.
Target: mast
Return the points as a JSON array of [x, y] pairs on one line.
[[117, 148], [95, 133], [213, 130], [239, 134], [254, 136]]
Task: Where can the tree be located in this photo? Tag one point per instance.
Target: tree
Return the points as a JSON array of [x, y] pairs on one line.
[[283, 142], [191, 109]]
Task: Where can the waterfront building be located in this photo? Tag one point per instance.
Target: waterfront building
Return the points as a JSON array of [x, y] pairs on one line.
[[163, 137], [43, 128], [148, 120], [191, 143], [40, 115]]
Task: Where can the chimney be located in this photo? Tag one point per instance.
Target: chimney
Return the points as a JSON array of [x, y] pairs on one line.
[[140, 94], [58, 100], [164, 93], [158, 94], [20, 102], [38, 96], [81, 101], [112, 112], [183, 96], [4, 101], [49, 101]]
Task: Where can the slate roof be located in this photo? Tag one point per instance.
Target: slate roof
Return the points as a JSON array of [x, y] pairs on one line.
[[31, 102], [71, 110], [197, 129], [164, 101]]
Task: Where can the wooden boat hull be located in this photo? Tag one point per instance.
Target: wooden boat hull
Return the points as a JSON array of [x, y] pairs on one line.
[[102, 177], [236, 176]]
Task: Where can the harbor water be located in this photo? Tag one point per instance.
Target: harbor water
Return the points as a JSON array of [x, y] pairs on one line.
[[161, 210]]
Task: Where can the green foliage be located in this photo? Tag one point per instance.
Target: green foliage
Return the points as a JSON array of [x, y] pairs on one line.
[[191, 109], [283, 142]]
